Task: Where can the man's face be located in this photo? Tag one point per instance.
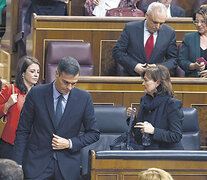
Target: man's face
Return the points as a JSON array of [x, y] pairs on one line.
[[65, 83], [155, 21], [165, 2]]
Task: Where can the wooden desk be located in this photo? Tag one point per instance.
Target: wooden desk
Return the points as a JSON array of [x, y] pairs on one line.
[[115, 166], [127, 91], [102, 33]]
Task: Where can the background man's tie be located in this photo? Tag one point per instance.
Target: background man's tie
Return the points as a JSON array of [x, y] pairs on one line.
[[149, 46]]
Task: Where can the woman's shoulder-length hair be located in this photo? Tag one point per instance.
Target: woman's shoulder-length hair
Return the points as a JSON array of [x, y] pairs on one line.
[[161, 74]]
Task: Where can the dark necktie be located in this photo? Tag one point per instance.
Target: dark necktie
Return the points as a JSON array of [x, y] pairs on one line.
[[149, 46], [59, 109]]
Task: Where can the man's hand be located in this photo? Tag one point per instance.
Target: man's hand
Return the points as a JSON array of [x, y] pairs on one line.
[[59, 143], [140, 68], [151, 65]]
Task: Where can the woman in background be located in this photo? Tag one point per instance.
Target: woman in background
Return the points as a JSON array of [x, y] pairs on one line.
[[194, 46], [11, 104], [159, 121], [91, 4]]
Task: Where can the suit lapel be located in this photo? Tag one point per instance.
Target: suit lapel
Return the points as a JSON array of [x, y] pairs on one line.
[[68, 108], [196, 47], [140, 35], [172, 10], [50, 104], [158, 41]]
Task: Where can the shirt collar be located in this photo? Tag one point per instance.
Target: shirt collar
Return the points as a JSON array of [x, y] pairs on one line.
[[146, 30], [56, 93]]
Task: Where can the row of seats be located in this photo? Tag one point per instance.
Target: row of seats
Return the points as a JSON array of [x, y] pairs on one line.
[[82, 52], [58, 49], [111, 121]]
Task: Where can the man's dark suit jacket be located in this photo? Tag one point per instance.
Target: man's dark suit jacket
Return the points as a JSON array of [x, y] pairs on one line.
[[37, 125], [45, 7], [176, 11], [129, 49]]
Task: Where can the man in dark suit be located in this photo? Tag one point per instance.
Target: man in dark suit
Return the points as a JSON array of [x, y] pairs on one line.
[[46, 7], [132, 46], [172, 10], [39, 7], [48, 141]]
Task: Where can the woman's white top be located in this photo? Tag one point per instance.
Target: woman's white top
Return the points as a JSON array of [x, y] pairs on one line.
[[105, 5]]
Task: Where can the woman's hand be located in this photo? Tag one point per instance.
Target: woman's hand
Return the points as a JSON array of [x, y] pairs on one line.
[[129, 111], [197, 66], [145, 127], [96, 2], [203, 73], [11, 101]]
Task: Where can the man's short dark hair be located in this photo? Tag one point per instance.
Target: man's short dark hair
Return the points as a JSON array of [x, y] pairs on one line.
[[69, 65], [10, 170]]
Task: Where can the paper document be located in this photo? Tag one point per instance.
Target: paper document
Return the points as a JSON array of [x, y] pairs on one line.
[[104, 5]]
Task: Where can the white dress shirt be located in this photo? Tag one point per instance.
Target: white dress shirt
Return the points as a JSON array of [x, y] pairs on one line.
[[147, 34]]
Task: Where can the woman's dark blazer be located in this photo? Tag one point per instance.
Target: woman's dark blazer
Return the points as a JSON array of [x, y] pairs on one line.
[[189, 52], [168, 130]]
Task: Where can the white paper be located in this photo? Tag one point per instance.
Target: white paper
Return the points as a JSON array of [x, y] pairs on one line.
[[100, 10], [104, 5], [112, 3]]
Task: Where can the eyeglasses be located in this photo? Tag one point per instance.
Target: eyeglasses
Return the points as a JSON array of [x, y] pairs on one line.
[[196, 22]]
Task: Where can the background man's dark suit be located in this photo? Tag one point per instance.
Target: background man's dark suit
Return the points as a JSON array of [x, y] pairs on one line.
[[129, 49], [45, 7], [176, 11], [37, 125]]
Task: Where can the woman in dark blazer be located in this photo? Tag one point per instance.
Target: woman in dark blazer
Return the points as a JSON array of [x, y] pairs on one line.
[[159, 121], [194, 46]]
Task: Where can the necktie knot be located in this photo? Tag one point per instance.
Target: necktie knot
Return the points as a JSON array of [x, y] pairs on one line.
[[60, 97]]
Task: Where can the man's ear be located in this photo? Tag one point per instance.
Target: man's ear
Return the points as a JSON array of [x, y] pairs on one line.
[[146, 15], [56, 73]]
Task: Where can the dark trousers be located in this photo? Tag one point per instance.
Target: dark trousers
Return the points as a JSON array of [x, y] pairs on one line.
[[52, 172], [6, 149]]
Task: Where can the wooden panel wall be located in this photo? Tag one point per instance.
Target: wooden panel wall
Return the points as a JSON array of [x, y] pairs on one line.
[[102, 33]]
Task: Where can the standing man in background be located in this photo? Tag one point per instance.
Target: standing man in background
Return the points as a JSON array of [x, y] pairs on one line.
[[46, 7], [39, 7], [48, 143], [146, 43]]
